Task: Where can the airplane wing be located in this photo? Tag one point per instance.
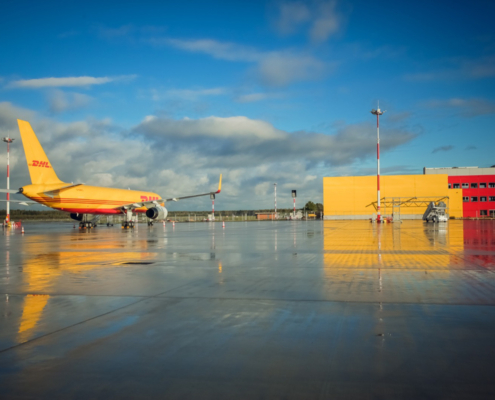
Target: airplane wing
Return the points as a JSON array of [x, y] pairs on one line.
[[157, 202]]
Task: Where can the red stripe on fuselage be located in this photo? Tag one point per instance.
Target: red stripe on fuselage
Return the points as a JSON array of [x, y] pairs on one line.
[[95, 210]]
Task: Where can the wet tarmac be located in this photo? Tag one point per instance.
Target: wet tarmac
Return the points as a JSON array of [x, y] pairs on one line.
[[258, 310]]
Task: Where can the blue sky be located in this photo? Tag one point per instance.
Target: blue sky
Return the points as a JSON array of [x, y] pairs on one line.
[[166, 95]]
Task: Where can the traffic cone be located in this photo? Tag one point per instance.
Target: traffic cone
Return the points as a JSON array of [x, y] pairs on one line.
[[22, 231], [163, 223], [173, 224], [223, 224]]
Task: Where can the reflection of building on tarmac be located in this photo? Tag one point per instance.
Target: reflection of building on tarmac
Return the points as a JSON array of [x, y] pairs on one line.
[[44, 271], [392, 246]]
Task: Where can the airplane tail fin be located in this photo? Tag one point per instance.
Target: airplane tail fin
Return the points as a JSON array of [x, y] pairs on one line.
[[39, 166]]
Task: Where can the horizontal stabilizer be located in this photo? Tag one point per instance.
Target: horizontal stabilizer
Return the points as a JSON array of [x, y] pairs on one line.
[[23, 202], [9, 191]]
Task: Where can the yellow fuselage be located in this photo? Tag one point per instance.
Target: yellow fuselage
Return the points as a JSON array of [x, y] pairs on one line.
[[84, 199]]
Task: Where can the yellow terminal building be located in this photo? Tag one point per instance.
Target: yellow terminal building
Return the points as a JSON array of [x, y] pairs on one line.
[[406, 196]]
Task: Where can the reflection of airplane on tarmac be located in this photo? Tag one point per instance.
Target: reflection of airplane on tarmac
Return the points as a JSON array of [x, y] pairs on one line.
[[80, 199]]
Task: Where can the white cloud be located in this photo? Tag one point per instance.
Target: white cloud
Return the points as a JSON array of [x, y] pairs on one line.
[[281, 69], [471, 107], [458, 68], [273, 68], [240, 141], [66, 82], [189, 94], [326, 23], [292, 15], [174, 157], [60, 101], [261, 189], [253, 97], [221, 50], [320, 17]]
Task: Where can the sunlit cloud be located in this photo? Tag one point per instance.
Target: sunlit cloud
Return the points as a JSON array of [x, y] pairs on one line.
[[184, 156], [320, 18], [60, 101], [67, 81], [273, 68]]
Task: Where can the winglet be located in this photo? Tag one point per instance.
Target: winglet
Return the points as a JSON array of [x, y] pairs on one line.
[[219, 185]]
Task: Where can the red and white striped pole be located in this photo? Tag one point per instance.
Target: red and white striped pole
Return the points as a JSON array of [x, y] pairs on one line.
[[8, 141], [212, 197], [377, 112], [275, 194]]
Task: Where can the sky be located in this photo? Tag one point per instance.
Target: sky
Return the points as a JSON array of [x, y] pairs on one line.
[[165, 95]]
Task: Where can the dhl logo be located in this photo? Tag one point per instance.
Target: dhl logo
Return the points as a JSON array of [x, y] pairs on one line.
[[41, 164], [150, 198]]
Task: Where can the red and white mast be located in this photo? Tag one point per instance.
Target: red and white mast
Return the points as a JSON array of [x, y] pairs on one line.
[[275, 195], [8, 140], [212, 197], [377, 112]]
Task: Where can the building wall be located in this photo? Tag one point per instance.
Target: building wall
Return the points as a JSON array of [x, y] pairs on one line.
[[477, 201], [262, 216], [348, 197]]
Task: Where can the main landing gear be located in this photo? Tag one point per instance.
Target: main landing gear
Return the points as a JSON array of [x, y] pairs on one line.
[[127, 224], [85, 222], [87, 225]]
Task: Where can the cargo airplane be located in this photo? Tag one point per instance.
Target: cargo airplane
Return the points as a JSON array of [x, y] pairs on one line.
[[81, 200]]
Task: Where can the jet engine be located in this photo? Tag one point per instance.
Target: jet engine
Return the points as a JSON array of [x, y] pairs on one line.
[[77, 217], [157, 212]]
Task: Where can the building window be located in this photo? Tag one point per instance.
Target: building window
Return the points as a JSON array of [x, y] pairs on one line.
[[465, 185], [491, 185], [465, 199], [482, 185], [483, 213], [492, 198], [483, 198], [450, 186], [474, 198], [474, 186], [456, 186]]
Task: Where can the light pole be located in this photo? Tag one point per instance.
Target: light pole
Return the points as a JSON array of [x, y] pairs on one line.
[[377, 112], [275, 194], [8, 140], [212, 197], [294, 194]]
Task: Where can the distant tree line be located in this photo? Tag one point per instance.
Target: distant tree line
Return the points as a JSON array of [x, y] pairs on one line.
[[55, 215], [19, 215]]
